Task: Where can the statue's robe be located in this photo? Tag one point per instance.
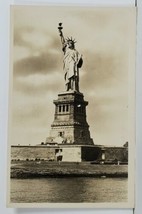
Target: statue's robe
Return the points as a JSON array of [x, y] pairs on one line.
[[72, 62]]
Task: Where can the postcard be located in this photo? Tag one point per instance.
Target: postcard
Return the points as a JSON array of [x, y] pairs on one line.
[[72, 107]]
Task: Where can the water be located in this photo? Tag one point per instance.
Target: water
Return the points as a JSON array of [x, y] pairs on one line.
[[69, 190]]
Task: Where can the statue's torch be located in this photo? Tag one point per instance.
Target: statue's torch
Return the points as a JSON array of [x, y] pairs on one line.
[[60, 29], [61, 33]]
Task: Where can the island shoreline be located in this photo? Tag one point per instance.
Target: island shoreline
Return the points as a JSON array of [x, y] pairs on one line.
[[26, 170]]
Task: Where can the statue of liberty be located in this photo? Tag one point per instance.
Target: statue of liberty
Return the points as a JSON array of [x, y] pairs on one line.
[[71, 63]]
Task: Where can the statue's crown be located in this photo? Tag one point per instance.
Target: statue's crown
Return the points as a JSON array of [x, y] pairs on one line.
[[70, 40]]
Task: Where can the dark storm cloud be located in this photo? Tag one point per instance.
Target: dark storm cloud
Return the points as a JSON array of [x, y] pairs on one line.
[[44, 63]]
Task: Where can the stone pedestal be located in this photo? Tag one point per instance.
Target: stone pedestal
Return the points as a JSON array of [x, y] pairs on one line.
[[70, 125]]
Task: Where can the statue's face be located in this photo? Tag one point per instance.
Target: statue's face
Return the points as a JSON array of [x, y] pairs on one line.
[[70, 44]]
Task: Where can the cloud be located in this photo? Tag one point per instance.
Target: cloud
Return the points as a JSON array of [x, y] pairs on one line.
[[103, 71], [32, 37], [19, 35], [39, 84], [35, 52], [44, 63], [34, 110]]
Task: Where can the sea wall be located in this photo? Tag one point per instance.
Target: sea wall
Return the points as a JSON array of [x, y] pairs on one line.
[[74, 153], [116, 153], [32, 153]]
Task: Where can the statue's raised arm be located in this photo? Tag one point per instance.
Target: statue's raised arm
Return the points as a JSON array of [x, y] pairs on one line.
[[61, 34], [72, 62]]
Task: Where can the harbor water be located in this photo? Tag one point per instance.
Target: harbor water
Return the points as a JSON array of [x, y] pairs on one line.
[[69, 190]]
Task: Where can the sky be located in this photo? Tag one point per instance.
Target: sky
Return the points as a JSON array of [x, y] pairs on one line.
[[105, 38]]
